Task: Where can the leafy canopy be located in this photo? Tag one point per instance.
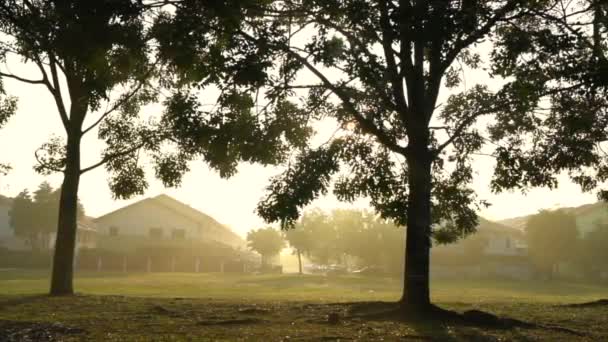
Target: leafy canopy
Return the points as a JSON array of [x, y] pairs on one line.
[[552, 237], [377, 68], [266, 241], [556, 62]]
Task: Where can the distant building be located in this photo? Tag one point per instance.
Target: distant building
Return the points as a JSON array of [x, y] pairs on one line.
[[85, 238], [494, 250], [163, 217], [502, 240]]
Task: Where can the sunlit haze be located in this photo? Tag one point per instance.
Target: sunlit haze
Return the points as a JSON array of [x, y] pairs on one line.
[[230, 201]]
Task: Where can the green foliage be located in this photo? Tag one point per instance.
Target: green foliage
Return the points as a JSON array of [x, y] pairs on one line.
[[34, 217], [382, 86], [552, 238], [105, 54], [360, 236], [21, 219], [592, 254], [268, 242], [557, 67]]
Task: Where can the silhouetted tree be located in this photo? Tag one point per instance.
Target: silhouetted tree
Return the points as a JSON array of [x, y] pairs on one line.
[[86, 53], [22, 219], [109, 58], [268, 242], [35, 217], [552, 237], [377, 68]]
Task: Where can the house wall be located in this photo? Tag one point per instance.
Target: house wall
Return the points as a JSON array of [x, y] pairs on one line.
[[502, 244], [138, 219]]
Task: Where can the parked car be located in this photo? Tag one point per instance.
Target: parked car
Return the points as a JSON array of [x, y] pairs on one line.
[[371, 271], [314, 268], [336, 270]]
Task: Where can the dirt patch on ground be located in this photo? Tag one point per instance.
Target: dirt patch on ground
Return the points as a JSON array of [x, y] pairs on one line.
[[35, 332]]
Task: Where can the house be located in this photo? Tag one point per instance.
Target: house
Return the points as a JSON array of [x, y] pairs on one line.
[[494, 250], [491, 239], [85, 237], [165, 218], [502, 240]]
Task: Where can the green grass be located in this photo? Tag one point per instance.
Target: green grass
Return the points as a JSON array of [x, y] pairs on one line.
[[171, 306]]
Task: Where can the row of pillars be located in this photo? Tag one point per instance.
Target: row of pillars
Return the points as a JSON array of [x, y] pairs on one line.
[[197, 265]]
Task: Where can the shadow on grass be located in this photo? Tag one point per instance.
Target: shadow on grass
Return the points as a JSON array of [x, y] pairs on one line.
[[12, 301], [433, 323]]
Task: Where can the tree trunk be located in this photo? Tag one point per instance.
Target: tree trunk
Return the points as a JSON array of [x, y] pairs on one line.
[[299, 261], [416, 294], [63, 260]]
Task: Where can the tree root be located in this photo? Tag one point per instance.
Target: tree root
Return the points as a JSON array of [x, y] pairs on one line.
[[397, 312], [593, 304]]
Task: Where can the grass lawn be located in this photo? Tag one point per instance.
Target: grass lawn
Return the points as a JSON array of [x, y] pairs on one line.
[[201, 307]]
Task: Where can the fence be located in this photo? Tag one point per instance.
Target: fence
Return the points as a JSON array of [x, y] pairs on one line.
[[158, 263], [96, 260]]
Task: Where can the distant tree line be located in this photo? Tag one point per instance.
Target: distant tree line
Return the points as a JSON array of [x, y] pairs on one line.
[[350, 238], [554, 239], [33, 216]]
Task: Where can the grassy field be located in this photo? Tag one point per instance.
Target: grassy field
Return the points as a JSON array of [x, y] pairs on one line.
[[201, 307]]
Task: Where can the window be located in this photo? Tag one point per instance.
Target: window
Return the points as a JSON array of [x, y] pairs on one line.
[[156, 233], [113, 231], [508, 243], [178, 234]]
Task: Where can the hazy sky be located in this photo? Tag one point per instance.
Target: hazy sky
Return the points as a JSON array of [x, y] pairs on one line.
[[231, 201]]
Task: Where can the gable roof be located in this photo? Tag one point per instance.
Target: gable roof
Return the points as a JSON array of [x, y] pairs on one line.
[[487, 226], [180, 208]]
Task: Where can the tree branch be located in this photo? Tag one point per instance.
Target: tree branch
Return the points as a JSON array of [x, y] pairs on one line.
[[57, 94], [109, 157], [393, 71], [21, 79], [116, 105]]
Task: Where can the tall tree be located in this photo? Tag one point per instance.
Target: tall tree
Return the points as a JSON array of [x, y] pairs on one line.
[[377, 68], [268, 242], [551, 237], [109, 58], [88, 55]]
